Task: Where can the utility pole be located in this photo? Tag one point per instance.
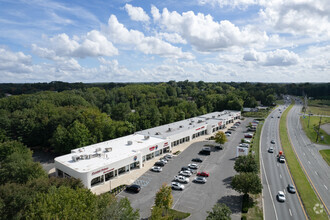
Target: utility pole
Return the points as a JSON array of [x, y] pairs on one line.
[[318, 130], [309, 118]]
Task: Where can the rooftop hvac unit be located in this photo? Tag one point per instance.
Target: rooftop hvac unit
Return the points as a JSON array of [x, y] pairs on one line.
[[73, 151], [75, 158], [190, 123], [129, 142], [146, 137], [157, 133], [98, 149], [108, 149], [214, 116], [169, 129], [200, 121], [181, 126]]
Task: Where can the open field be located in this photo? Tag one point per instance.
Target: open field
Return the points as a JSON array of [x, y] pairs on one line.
[[326, 155], [306, 192], [319, 107], [311, 133]]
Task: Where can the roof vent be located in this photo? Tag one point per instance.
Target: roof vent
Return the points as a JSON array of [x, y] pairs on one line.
[[181, 126], [108, 149], [157, 133], [98, 149], [129, 142], [146, 137], [75, 158], [213, 116], [200, 121], [169, 129]]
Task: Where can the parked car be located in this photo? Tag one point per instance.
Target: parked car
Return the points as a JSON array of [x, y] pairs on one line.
[[197, 159], [228, 132], [280, 196], [205, 174], [159, 164], [193, 166], [163, 160], [272, 142], [244, 145], [177, 186], [233, 127], [246, 141], [181, 179], [200, 179], [248, 135], [291, 188], [133, 188], [270, 150], [185, 173], [156, 169], [168, 156]]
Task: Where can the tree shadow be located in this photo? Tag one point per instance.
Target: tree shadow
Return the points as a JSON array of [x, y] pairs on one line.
[[227, 181], [234, 158], [234, 202]]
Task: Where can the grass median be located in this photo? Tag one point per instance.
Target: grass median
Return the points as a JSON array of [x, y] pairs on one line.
[[326, 155], [306, 192]]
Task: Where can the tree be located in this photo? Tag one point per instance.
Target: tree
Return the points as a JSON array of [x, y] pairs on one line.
[[219, 212], [120, 210], [220, 138], [246, 164], [164, 198], [247, 183]]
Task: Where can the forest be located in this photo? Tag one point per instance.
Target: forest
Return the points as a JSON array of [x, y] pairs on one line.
[[57, 117]]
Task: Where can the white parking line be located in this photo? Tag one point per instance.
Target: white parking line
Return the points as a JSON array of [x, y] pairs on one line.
[[290, 212]]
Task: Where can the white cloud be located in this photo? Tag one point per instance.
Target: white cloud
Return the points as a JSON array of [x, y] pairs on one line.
[[306, 17], [172, 37], [205, 34], [278, 57], [136, 13], [118, 33], [12, 62], [94, 44]]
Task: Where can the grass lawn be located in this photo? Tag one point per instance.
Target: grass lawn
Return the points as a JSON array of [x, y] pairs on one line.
[[256, 141], [319, 107], [259, 114], [177, 214], [306, 192], [280, 102], [326, 155], [311, 133]]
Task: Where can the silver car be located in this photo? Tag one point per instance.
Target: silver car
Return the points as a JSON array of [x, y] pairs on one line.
[[181, 179], [156, 169], [185, 173], [177, 186], [281, 196], [200, 179]]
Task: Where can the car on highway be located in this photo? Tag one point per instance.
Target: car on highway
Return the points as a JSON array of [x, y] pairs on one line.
[[278, 116], [177, 186], [159, 164], [193, 166], [272, 117], [205, 174], [270, 150], [281, 159], [280, 196], [200, 179], [291, 188], [197, 159], [185, 173], [181, 179], [272, 142], [156, 169], [133, 188]]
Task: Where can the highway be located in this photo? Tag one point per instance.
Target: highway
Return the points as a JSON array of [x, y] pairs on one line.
[[275, 175], [317, 170]]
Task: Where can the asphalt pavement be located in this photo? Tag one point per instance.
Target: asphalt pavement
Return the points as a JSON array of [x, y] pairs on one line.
[[196, 198], [316, 169], [275, 175]]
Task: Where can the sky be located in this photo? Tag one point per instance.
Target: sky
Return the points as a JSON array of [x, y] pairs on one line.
[[163, 40]]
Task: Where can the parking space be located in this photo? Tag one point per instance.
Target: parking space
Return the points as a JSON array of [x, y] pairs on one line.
[[196, 198]]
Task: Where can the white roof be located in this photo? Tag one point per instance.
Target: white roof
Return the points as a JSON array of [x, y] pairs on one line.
[[105, 153]]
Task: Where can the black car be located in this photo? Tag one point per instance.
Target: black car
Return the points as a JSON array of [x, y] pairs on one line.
[[197, 160], [133, 188], [291, 188], [228, 132], [159, 164]]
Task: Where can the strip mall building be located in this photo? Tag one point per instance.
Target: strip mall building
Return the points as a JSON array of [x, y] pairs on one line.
[[99, 163]]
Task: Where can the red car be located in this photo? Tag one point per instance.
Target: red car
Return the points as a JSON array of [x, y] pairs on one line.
[[203, 174], [248, 135]]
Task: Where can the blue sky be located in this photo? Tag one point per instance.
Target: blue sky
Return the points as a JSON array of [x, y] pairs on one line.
[[153, 41]]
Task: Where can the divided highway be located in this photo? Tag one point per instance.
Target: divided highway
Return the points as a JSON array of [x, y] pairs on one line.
[[318, 172], [275, 175]]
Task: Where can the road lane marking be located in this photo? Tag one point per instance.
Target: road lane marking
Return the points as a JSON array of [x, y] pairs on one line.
[[290, 212], [280, 176], [325, 187], [304, 154], [316, 173], [309, 162]]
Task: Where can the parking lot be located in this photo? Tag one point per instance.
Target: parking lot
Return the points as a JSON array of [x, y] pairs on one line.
[[196, 198]]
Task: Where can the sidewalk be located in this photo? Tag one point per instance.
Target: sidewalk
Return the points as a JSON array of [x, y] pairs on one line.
[[131, 176]]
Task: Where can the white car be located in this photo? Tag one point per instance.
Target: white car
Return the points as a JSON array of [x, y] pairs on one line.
[[228, 135], [200, 179], [281, 196], [168, 156], [193, 166], [247, 141], [181, 179], [163, 160], [270, 150], [244, 145], [177, 186], [156, 169], [185, 173]]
